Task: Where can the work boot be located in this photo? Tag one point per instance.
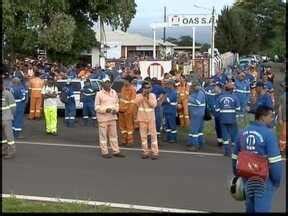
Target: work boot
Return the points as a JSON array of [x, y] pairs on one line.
[[144, 156], [192, 148], [219, 144], [11, 151], [67, 123], [106, 156], [4, 149], [54, 134], [72, 123], [119, 155], [154, 157], [85, 122]]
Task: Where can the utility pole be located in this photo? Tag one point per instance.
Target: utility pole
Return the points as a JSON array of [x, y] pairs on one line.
[[154, 44], [164, 29], [212, 72], [193, 44], [164, 32], [100, 40]]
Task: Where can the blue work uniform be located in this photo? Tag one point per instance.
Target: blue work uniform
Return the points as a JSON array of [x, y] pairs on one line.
[[71, 73], [169, 111], [269, 86], [211, 99], [242, 91], [264, 100], [20, 99], [70, 106], [88, 99], [220, 78], [227, 105], [158, 90], [196, 107], [260, 139]]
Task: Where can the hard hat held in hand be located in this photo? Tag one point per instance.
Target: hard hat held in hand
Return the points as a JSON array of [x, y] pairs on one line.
[[236, 188]]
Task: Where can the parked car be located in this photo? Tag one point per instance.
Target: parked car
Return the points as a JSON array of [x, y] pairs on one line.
[[77, 86], [245, 62]]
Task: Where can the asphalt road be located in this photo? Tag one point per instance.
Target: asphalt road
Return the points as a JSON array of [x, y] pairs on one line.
[[177, 180]]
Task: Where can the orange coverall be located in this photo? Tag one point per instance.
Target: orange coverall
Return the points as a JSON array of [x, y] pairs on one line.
[[282, 137], [35, 86], [147, 122], [126, 114], [282, 117], [183, 93]]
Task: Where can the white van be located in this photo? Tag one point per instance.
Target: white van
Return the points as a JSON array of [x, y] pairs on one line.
[[77, 86]]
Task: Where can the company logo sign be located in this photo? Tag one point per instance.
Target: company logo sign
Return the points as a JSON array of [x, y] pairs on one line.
[[190, 20]]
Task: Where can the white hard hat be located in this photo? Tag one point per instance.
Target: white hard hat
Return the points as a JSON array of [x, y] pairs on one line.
[[236, 188], [106, 78]]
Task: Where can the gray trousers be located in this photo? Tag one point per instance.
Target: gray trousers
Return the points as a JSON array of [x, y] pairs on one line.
[[7, 132]]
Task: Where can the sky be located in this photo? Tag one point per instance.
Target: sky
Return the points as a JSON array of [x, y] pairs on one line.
[[149, 11]]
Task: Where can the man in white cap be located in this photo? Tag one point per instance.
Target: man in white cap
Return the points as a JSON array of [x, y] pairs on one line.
[[107, 107]]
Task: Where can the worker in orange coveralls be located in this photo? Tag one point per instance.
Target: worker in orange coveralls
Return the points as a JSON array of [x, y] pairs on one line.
[[107, 107], [35, 87], [126, 112], [183, 94], [146, 102], [282, 120]]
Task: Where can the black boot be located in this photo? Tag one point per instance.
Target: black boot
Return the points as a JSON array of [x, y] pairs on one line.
[[11, 151]]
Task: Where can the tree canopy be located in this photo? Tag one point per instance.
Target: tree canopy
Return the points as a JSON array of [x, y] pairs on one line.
[[252, 26], [184, 40], [62, 27]]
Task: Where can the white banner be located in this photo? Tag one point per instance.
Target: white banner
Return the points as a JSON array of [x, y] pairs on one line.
[[113, 50], [190, 20], [154, 68]]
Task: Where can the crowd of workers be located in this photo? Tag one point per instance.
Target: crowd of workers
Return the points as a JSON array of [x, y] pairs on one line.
[[226, 98]]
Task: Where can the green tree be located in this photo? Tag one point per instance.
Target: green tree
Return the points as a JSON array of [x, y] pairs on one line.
[[63, 27], [228, 38], [59, 35], [204, 47], [184, 40], [262, 24], [172, 40]]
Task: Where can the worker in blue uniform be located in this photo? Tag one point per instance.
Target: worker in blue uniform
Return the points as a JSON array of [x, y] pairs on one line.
[[227, 106], [196, 105], [263, 97], [88, 94], [159, 92], [19, 94], [220, 78], [242, 91], [268, 84], [170, 111], [260, 139], [212, 92], [70, 106]]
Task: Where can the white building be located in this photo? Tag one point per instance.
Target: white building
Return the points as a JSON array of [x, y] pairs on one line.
[[119, 44]]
